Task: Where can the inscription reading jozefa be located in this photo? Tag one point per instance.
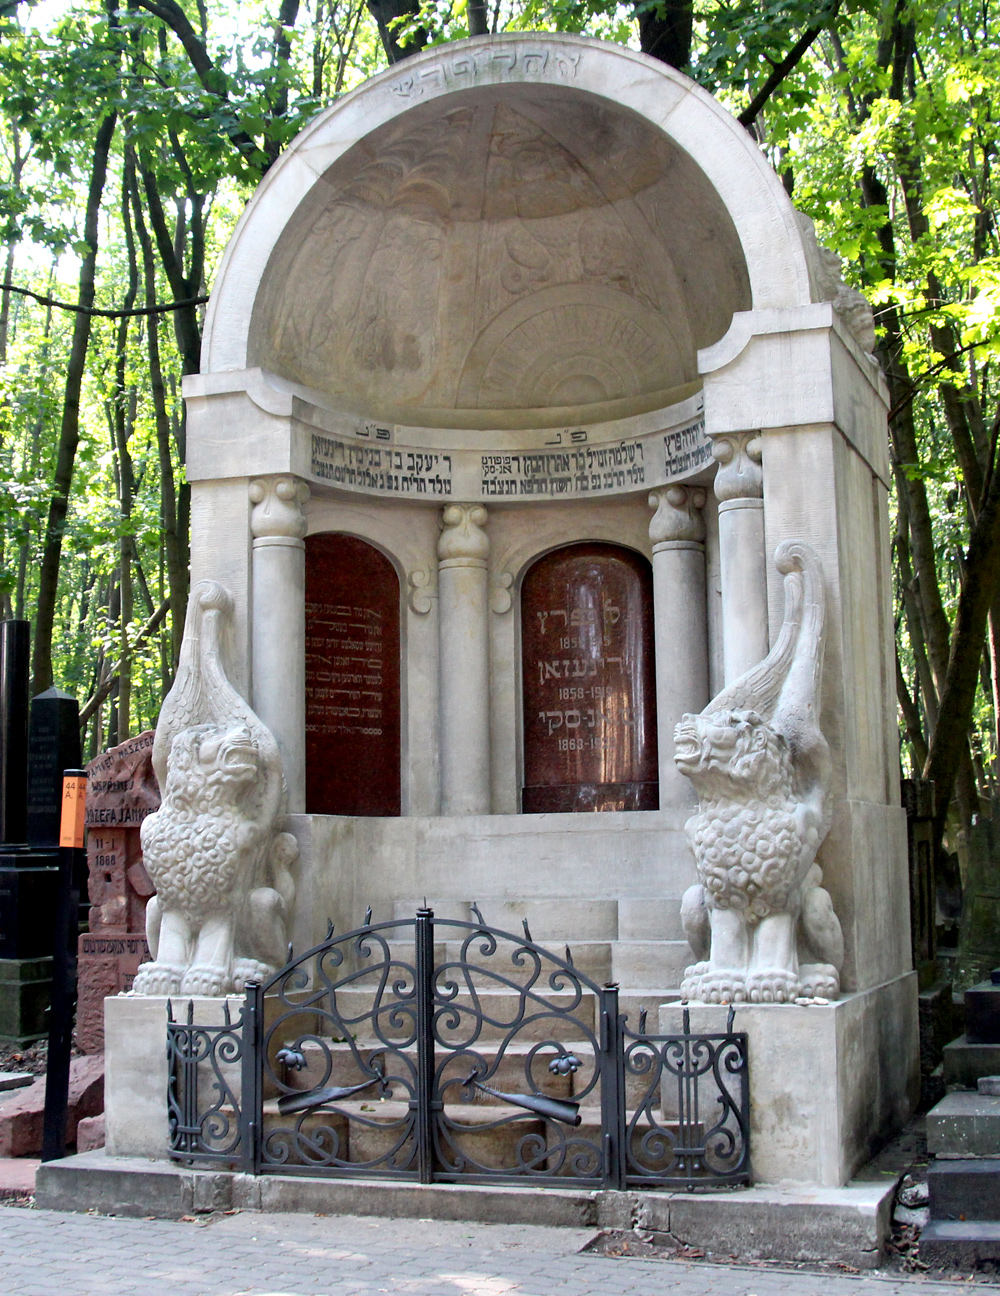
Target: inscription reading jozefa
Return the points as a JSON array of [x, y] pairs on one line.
[[344, 664]]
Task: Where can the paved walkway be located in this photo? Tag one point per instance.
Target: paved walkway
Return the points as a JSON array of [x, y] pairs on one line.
[[45, 1253]]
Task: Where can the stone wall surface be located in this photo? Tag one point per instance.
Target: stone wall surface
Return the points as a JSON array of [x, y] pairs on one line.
[[121, 791]]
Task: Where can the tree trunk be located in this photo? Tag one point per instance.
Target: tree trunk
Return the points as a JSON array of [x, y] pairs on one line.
[[69, 433]]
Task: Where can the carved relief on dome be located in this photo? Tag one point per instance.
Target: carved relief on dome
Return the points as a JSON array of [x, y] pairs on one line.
[[570, 345], [502, 254]]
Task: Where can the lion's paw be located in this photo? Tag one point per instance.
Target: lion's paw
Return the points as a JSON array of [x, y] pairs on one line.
[[210, 982], [772, 985], [158, 979], [819, 981], [704, 984], [248, 969]]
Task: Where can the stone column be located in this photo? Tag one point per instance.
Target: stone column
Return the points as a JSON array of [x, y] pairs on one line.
[[739, 488], [463, 609], [278, 634], [677, 530]]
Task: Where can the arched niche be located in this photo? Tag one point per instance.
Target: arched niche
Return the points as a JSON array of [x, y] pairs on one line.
[[589, 719], [352, 678], [499, 253]]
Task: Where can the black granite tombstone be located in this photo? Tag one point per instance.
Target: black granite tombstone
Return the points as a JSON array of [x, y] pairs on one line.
[[28, 877], [53, 746]]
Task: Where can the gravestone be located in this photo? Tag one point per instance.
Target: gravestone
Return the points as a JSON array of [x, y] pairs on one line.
[[28, 876], [516, 295], [352, 678], [121, 792], [53, 746], [589, 688]]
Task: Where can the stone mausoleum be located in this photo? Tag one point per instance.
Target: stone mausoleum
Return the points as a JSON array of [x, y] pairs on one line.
[[520, 372]]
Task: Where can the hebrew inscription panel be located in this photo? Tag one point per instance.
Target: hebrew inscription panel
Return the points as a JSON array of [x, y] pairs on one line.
[[589, 686], [352, 678]]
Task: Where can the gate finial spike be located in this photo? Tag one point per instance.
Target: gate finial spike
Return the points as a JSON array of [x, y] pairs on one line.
[[730, 1019], [687, 1020], [527, 930], [190, 1012], [642, 1021], [368, 916], [290, 952], [479, 917], [225, 1012], [170, 1010], [329, 928], [569, 956]]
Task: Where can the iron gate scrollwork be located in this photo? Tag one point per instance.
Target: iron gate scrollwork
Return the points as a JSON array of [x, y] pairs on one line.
[[439, 1050]]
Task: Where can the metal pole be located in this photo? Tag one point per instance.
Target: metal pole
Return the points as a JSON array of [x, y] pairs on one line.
[[612, 1062], [15, 651], [425, 1043], [72, 864], [250, 1088]]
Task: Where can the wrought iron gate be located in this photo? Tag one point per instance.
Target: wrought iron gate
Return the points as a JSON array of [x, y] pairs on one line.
[[438, 1050]]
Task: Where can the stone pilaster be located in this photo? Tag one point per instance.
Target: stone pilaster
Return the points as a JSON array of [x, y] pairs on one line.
[[739, 488], [677, 530], [463, 599], [278, 636]]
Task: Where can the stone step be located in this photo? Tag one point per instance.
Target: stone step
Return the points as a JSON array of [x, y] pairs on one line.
[[964, 1125], [474, 1134], [964, 1189], [965, 1063], [542, 1016], [656, 964], [592, 958], [961, 1244], [335, 1064]]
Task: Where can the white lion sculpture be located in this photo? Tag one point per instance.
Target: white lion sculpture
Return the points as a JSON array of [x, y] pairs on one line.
[[221, 867], [759, 920]]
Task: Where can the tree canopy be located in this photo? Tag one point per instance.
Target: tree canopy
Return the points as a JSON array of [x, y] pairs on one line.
[[131, 136]]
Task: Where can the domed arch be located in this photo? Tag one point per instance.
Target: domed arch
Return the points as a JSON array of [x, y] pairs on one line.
[[504, 231]]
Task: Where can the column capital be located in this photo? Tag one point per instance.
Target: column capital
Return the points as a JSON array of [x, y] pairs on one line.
[[678, 518], [277, 516], [462, 540], [740, 475]]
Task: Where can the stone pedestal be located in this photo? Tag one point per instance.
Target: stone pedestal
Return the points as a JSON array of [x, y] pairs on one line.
[[25, 985], [29, 881], [135, 1077], [822, 1100]]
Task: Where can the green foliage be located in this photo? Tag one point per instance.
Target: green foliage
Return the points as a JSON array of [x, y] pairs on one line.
[[884, 129]]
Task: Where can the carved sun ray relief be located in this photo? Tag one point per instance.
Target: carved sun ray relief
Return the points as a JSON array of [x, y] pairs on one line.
[[221, 867], [760, 922]]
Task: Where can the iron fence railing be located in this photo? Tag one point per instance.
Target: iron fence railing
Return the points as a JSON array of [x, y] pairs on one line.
[[440, 1050]]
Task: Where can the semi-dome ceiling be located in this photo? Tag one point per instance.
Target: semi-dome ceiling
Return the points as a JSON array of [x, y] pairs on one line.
[[504, 257]]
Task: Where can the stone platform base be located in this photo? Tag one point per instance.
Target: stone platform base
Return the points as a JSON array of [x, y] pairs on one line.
[[830, 1084], [960, 1244], [794, 1223]]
